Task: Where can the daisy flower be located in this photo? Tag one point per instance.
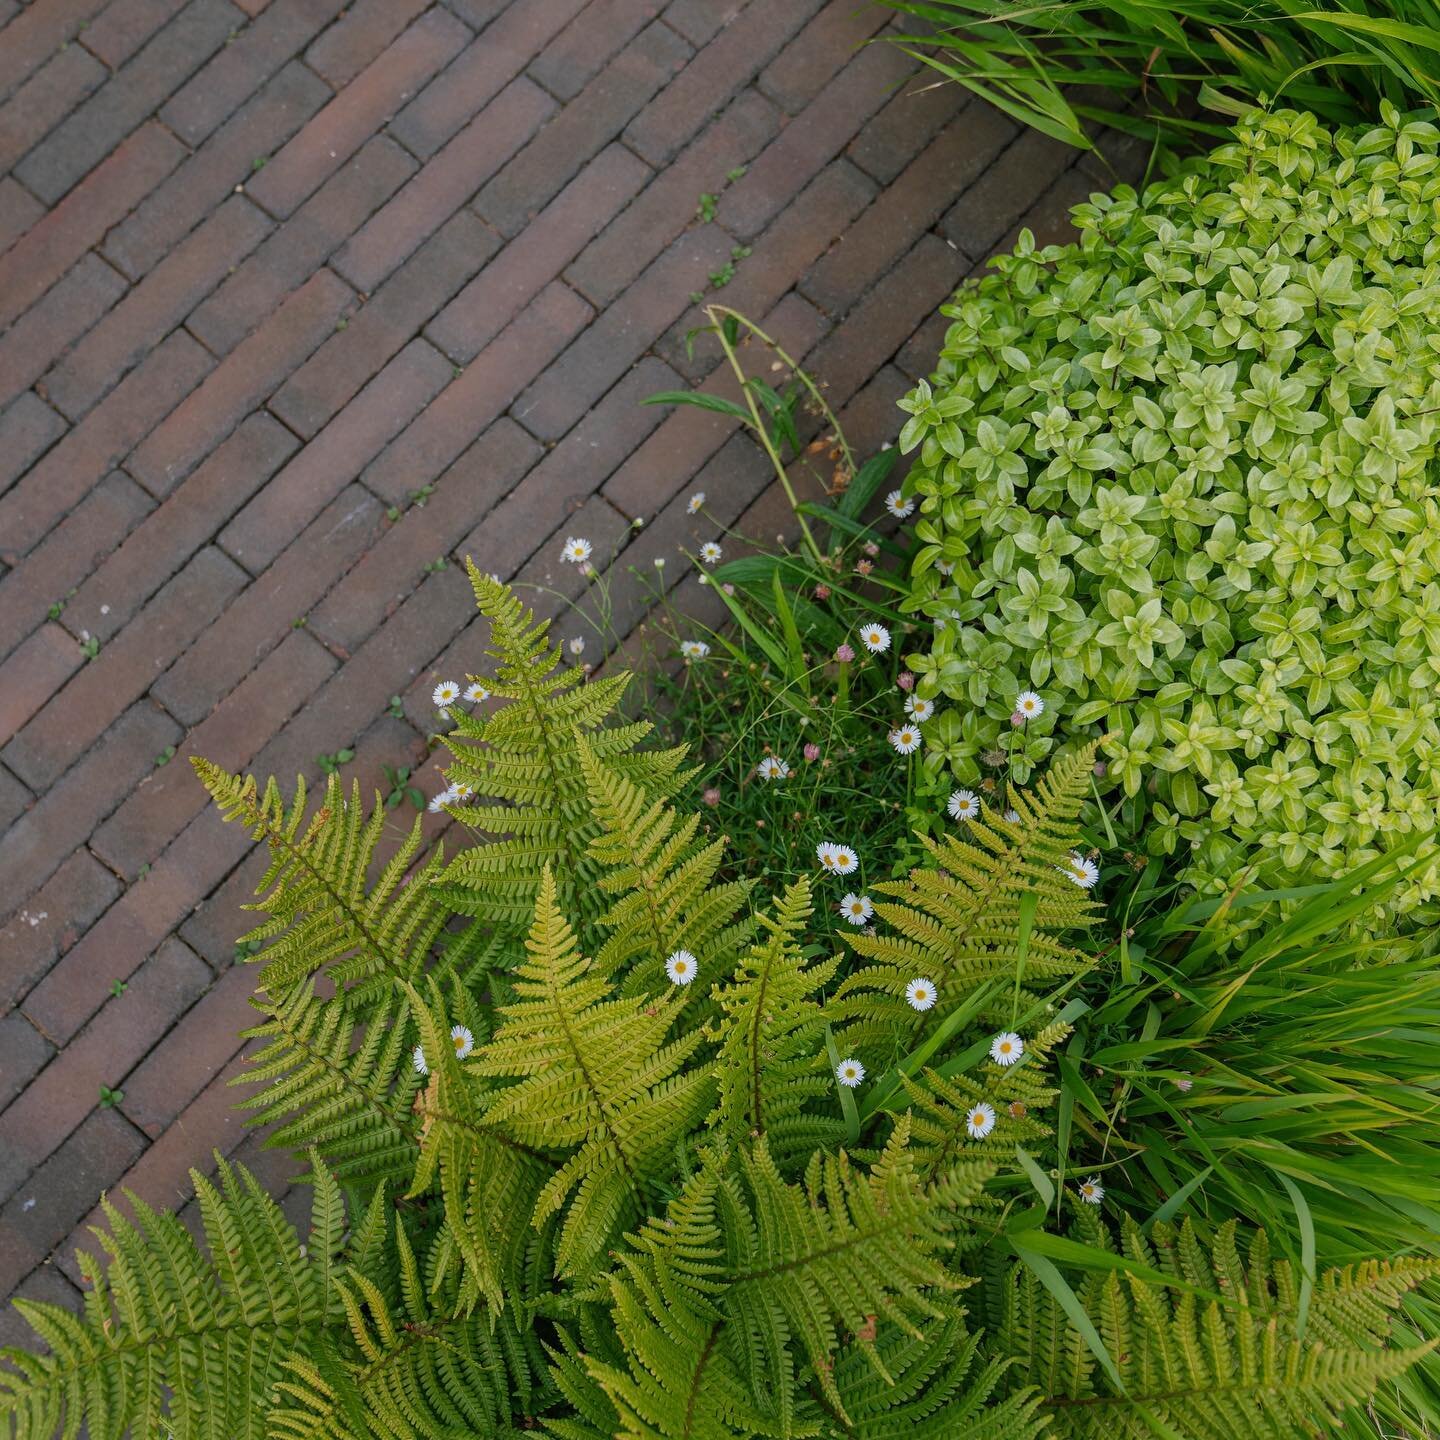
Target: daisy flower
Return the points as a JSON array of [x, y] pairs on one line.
[[681, 967], [898, 505], [906, 739], [694, 503], [875, 638], [576, 645], [440, 801], [460, 790], [981, 1119], [919, 710], [850, 1073], [920, 992], [857, 909], [694, 649], [1029, 705], [418, 1056], [1006, 1048], [964, 805], [1013, 816], [838, 859], [710, 553], [945, 567], [475, 692], [1092, 1192], [772, 767], [576, 550], [462, 1040], [447, 692], [1084, 872]]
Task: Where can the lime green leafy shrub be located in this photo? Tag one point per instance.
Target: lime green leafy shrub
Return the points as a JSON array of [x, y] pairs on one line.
[[1180, 479]]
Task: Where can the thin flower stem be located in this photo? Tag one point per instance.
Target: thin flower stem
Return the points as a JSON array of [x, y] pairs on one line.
[[758, 425]]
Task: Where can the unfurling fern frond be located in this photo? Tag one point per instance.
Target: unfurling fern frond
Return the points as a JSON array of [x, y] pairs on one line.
[[596, 1078], [417, 1366], [661, 882], [324, 912], [173, 1342], [959, 924], [1202, 1368], [772, 1064], [524, 757], [941, 1108]]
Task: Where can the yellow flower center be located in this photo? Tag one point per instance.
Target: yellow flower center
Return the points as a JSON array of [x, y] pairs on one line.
[[919, 994]]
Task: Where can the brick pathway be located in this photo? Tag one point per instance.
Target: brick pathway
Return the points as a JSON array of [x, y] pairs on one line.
[[267, 269]]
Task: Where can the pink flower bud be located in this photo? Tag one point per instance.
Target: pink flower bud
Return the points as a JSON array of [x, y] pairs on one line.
[[822, 592], [711, 797], [844, 654], [905, 680], [812, 752]]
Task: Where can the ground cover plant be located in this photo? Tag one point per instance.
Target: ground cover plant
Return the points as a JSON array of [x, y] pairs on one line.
[[1179, 74], [602, 1145], [1175, 488]]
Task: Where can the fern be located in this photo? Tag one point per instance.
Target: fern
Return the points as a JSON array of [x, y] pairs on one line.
[[524, 757], [172, 1342], [1210, 1369], [351, 1103], [597, 1078], [324, 913], [771, 1063], [663, 882], [959, 924], [941, 1106]]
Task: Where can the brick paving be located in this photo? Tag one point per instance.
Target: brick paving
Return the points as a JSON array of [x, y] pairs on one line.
[[298, 300]]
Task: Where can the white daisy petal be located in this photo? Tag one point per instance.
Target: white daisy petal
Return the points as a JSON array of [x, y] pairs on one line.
[[875, 638], [576, 645], [447, 692], [850, 1073], [843, 860], [576, 550], [681, 967], [981, 1119], [710, 553], [1029, 704], [920, 992], [919, 710], [694, 503], [475, 692], [1006, 1048], [1092, 1192], [463, 1041], [857, 909], [772, 767], [1081, 870], [963, 805], [694, 649], [418, 1057], [898, 505], [905, 738]]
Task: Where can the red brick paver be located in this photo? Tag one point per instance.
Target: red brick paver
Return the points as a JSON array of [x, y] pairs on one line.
[[301, 302]]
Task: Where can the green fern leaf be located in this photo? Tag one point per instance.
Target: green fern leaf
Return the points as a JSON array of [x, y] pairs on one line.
[[173, 1343], [595, 1077], [772, 1064], [958, 924], [524, 756]]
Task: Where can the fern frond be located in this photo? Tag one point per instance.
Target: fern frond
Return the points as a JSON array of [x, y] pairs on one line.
[[173, 1342], [1208, 1369], [661, 884], [940, 1388], [958, 923], [324, 913], [941, 1106], [351, 1103], [596, 1077], [415, 1367], [524, 756], [772, 1065], [844, 1252]]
